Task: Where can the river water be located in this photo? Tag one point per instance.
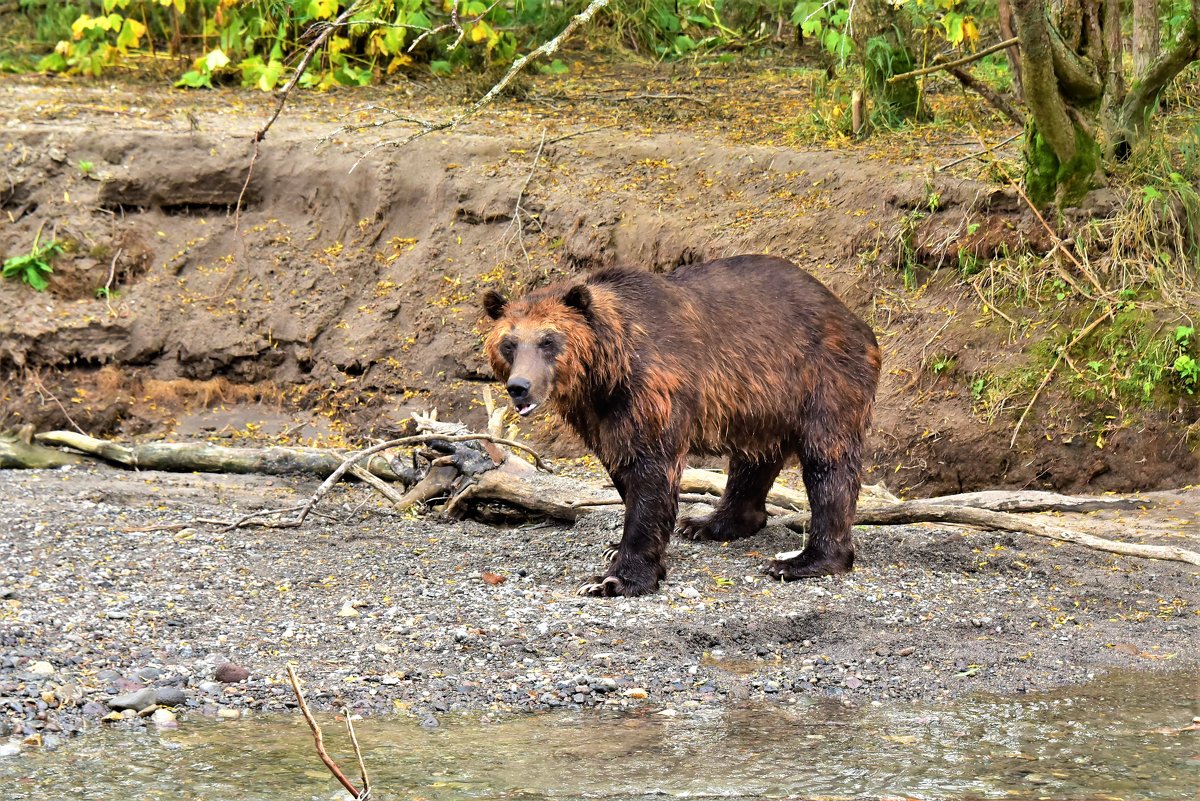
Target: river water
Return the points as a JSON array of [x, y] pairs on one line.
[[1125, 736]]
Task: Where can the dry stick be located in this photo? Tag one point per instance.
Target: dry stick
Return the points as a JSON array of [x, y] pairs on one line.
[[41, 388], [926, 512], [319, 738], [112, 274], [987, 305], [326, 29], [1050, 373], [564, 137], [307, 508], [945, 65], [997, 100], [979, 153], [545, 49], [516, 220]]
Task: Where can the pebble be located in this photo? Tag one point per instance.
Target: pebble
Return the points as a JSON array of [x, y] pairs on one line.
[[230, 673], [136, 701], [10, 749], [228, 714], [164, 719], [41, 668], [170, 696]]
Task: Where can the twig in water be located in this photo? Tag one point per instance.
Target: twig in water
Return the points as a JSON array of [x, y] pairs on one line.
[[319, 740]]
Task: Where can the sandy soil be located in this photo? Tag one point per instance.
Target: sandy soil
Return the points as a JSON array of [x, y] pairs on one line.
[[345, 293]]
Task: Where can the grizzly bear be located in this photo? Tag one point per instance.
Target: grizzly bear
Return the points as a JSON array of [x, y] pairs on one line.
[[748, 357]]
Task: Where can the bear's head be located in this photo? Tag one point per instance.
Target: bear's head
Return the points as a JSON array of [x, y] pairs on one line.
[[540, 344]]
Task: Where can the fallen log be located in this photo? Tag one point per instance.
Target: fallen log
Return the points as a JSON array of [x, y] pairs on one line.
[[17, 451], [934, 511], [204, 457], [559, 497]]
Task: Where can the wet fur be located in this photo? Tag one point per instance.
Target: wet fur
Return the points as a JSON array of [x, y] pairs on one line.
[[748, 357]]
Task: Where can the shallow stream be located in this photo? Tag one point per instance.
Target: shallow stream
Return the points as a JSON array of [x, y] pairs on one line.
[[1126, 736]]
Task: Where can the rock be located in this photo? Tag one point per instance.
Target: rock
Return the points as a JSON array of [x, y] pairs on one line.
[[164, 719], [210, 688], [137, 701], [348, 610], [169, 696], [228, 714], [230, 673], [605, 685], [908, 651], [41, 668], [9, 750], [636, 692], [112, 717], [93, 709]]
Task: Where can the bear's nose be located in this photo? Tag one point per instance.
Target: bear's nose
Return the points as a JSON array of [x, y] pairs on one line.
[[518, 388]]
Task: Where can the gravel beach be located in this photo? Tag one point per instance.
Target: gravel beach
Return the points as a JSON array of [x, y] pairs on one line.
[[113, 595]]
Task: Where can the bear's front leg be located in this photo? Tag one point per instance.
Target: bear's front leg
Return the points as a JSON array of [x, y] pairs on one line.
[[651, 503]]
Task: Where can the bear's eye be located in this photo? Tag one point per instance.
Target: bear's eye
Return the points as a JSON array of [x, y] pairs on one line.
[[507, 348], [548, 345]]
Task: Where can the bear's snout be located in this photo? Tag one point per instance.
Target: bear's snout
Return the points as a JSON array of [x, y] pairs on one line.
[[518, 390]]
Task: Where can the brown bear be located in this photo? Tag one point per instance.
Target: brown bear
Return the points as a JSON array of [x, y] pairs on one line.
[[748, 357]]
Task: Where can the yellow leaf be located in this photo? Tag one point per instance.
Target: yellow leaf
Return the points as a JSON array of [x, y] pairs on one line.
[[215, 60]]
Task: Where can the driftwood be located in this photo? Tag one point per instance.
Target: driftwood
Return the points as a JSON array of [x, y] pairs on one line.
[[934, 511], [18, 451], [203, 457], [474, 474], [561, 499]]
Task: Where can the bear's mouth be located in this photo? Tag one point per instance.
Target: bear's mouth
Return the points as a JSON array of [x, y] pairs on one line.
[[524, 411]]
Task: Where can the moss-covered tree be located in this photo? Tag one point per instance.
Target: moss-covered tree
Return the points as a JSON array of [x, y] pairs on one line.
[[1084, 107]]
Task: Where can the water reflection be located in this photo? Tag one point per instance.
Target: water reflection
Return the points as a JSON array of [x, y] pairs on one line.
[[1118, 738]]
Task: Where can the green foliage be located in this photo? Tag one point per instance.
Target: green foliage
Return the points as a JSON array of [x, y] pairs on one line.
[[33, 268], [827, 23]]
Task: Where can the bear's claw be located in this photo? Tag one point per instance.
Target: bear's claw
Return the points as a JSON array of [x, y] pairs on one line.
[[610, 551], [609, 587], [808, 566]]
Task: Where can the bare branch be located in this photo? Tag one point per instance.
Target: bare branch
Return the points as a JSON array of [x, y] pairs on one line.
[[545, 49], [958, 62]]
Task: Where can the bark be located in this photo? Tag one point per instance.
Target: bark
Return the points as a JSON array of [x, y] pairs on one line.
[[1147, 36], [189, 457], [1007, 31], [1041, 84], [1143, 95]]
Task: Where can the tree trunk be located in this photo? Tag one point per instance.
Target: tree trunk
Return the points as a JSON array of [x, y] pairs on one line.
[[1146, 36], [881, 41], [1008, 30], [1061, 154]]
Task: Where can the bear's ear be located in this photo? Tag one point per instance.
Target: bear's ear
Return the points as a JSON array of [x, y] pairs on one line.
[[494, 304], [579, 297]]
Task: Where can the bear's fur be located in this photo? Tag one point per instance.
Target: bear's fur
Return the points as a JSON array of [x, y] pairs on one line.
[[748, 357]]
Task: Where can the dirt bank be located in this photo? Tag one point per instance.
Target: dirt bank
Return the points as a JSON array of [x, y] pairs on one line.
[[108, 580], [339, 299]]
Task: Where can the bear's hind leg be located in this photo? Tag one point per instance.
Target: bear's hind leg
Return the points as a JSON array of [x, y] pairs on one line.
[[832, 495], [742, 510]]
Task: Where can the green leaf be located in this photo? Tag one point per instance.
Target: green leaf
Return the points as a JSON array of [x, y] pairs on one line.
[[440, 67], [555, 67], [195, 80]]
